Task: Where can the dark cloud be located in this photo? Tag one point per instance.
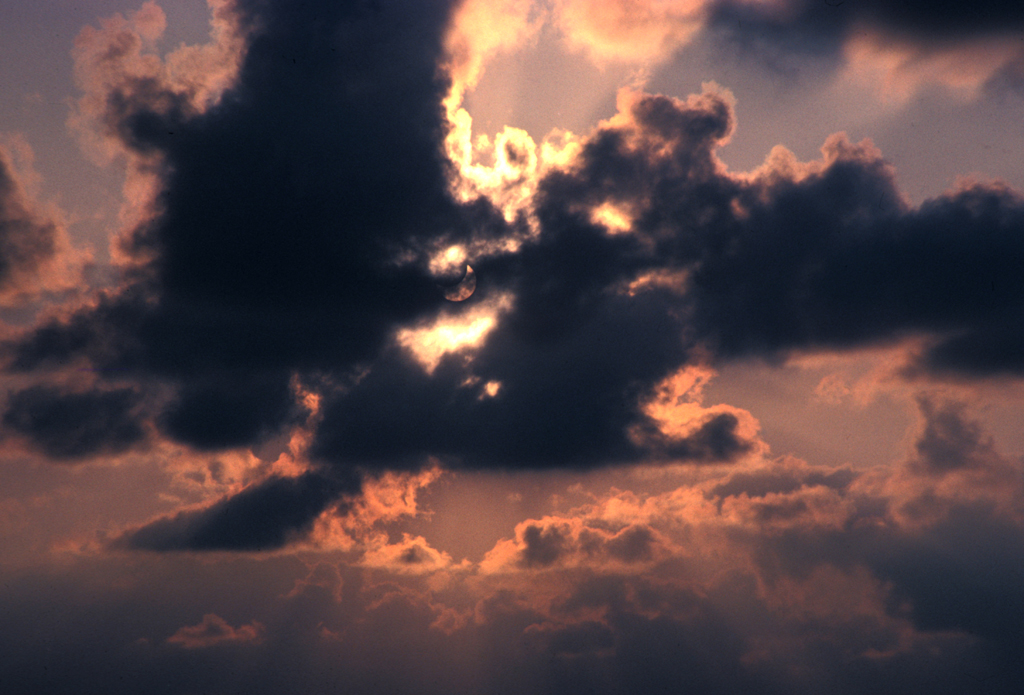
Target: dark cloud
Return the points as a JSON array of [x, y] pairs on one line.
[[821, 25], [276, 262], [544, 545], [581, 639], [937, 609], [264, 516], [950, 442], [802, 277], [568, 400], [715, 441], [991, 349], [944, 18], [965, 573], [75, 425], [575, 354], [801, 256], [955, 571], [230, 412], [284, 212]]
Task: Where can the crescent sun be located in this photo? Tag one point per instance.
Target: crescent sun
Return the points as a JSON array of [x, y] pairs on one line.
[[463, 290]]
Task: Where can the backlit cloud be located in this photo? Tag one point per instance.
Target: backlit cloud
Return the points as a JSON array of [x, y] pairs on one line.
[[686, 427]]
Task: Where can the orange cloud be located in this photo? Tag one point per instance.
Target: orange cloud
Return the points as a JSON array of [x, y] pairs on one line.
[[354, 524], [213, 631], [411, 555], [675, 408], [631, 31]]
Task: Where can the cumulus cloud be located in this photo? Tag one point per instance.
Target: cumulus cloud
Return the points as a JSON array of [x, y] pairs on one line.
[[125, 81], [595, 542], [803, 255], [127, 85]]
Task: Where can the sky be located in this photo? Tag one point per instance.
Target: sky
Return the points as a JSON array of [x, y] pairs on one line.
[[511, 346]]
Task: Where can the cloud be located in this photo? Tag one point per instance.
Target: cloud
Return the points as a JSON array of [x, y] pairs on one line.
[[898, 68], [783, 478], [964, 573], [642, 32], [314, 510], [214, 631], [800, 569], [292, 250], [481, 29], [274, 242], [949, 442], [631, 591], [72, 425], [125, 82], [35, 253], [278, 286], [24, 240], [411, 555], [263, 516], [799, 256], [916, 18], [895, 49], [231, 410], [574, 356], [561, 405]]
